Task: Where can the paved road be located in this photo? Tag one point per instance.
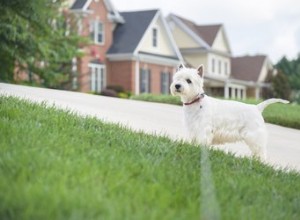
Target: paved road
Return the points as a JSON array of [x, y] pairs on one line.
[[160, 119]]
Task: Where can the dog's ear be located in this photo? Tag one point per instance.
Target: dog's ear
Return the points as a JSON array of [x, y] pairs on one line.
[[181, 66], [200, 71]]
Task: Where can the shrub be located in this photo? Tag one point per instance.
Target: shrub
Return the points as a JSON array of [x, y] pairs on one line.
[[168, 99], [109, 92], [116, 88]]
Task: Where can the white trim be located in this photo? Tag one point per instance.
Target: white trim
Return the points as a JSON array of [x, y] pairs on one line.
[[158, 60], [144, 58], [101, 76], [170, 37], [87, 4], [149, 28], [110, 7], [120, 56], [197, 50]]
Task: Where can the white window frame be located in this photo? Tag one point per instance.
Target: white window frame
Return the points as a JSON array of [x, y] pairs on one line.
[[145, 80], [95, 31], [213, 69], [165, 82], [97, 77], [155, 37]]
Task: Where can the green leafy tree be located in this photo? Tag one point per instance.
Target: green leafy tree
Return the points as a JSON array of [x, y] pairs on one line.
[[34, 39], [291, 68], [281, 86]]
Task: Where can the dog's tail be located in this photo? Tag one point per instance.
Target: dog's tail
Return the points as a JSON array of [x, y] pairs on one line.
[[261, 106]]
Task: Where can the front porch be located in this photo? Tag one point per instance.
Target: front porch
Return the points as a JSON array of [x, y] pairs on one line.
[[233, 89]]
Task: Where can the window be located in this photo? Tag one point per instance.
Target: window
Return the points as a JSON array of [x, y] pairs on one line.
[[220, 66], [144, 81], [97, 32], [97, 76], [226, 68], [100, 36], [165, 82], [154, 37], [213, 65]]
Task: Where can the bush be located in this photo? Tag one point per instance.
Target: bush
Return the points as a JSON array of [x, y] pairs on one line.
[[109, 92], [123, 95], [168, 99], [116, 88]]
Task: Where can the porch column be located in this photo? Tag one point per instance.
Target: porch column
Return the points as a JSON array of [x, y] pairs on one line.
[[137, 77], [232, 93], [226, 91], [244, 93], [257, 93], [239, 91]]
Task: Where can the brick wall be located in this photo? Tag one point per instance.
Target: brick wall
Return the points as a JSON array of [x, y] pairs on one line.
[[94, 51], [156, 71], [121, 73]]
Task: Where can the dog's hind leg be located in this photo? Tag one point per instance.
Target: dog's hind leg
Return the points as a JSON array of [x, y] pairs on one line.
[[257, 142]]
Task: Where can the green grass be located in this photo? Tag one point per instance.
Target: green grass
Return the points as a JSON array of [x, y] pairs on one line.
[[56, 165], [168, 99], [280, 114]]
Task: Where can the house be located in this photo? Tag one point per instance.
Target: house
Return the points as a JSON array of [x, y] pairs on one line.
[[135, 50], [225, 76], [255, 70]]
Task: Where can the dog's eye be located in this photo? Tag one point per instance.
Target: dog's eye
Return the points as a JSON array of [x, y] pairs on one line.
[[188, 81]]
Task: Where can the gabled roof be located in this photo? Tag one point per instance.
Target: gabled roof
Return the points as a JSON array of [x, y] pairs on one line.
[[207, 32], [82, 6], [247, 68], [78, 4], [127, 36]]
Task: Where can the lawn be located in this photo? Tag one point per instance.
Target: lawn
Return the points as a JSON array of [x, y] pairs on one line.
[[280, 114], [57, 165]]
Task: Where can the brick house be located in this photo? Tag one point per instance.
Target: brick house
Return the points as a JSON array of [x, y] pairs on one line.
[[135, 50], [225, 75]]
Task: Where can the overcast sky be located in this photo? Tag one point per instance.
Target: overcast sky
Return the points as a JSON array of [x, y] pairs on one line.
[[270, 27]]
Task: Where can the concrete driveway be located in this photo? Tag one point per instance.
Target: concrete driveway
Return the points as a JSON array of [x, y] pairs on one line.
[[159, 119]]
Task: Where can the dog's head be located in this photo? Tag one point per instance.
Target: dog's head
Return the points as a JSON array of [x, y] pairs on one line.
[[187, 83]]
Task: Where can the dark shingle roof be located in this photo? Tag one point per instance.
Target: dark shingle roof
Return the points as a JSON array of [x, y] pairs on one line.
[[78, 4], [208, 33], [247, 68], [127, 36]]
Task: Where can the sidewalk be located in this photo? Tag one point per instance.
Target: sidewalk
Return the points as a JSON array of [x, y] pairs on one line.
[[160, 119]]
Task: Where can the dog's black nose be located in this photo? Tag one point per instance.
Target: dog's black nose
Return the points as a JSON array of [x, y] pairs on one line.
[[177, 86]]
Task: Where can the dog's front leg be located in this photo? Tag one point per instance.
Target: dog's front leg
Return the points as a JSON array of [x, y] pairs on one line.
[[203, 138]]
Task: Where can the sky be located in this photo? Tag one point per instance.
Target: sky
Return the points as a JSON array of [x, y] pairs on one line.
[[270, 27]]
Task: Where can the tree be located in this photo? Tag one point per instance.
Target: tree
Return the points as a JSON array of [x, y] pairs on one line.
[[34, 39], [281, 86], [291, 68]]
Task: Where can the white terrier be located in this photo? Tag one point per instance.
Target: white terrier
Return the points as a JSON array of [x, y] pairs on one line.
[[211, 121]]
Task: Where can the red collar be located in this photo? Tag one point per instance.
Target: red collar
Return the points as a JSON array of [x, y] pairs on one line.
[[201, 96]]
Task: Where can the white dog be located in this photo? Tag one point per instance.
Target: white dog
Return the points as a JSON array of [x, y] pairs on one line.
[[211, 121]]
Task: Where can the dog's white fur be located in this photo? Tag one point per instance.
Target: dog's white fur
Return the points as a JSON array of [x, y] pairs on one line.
[[211, 121]]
